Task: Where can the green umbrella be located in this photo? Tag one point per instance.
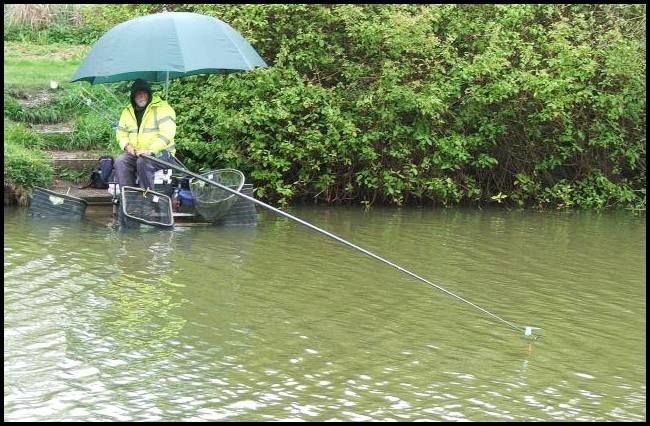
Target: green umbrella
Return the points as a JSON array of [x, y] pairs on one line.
[[167, 45]]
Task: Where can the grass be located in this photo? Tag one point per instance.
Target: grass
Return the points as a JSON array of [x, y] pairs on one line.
[[72, 175], [28, 98], [29, 66], [37, 73], [37, 16], [58, 51], [18, 134], [91, 131], [25, 166]]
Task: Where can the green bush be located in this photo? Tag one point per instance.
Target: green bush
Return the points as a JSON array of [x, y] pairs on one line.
[[17, 134], [61, 108], [24, 164], [11, 107], [17, 33], [50, 23], [56, 141], [429, 104], [58, 33], [91, 131], [518, 104]]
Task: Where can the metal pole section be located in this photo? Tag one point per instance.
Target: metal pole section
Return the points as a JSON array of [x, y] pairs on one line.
[[166, 85], [329, 234]]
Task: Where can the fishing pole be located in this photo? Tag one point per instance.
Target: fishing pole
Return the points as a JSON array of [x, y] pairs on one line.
[[119, 102], [528, 330], [89, 103]]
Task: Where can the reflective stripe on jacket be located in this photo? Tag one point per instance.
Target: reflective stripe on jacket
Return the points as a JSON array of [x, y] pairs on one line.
[[156, 131]]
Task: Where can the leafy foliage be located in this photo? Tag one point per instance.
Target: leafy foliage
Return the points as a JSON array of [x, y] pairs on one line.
[[91, 131], [24, 164], [61, 108], [92, 123], [438, 104], [50, 23], [72, 175], [514, 104]]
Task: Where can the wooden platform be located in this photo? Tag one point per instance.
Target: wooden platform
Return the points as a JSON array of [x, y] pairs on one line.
[[100, 201], [243, 213], [91, 195]]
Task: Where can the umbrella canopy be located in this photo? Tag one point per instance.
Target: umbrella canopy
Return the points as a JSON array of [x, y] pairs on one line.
[[167, 45]]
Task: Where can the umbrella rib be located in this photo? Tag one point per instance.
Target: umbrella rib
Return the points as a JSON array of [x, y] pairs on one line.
[[179, 47], [241, 54]]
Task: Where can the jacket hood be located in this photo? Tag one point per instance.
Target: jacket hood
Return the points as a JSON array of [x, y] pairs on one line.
[[140, 85]]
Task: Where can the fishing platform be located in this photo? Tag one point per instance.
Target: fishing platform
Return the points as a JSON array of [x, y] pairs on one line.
[[100, 203], [65, 198]]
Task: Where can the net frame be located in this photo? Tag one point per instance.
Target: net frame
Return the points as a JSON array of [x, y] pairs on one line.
[[213, 210], [47, 203], [127, 191]]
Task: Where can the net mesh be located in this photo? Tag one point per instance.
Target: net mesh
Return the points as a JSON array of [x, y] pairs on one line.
[[212, 202], [146, 206]]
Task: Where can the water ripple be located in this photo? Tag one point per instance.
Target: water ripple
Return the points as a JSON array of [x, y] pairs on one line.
[[278, 323]]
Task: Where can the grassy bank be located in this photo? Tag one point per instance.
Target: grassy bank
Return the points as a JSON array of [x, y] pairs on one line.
[[30, 98], [25, 164], [36, 73], [38, 117], [30, 67]]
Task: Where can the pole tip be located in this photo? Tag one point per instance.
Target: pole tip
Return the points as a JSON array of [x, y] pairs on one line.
[[530, 331]]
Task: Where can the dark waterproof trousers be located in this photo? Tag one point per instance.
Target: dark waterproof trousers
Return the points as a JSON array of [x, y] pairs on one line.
[[127, 167]]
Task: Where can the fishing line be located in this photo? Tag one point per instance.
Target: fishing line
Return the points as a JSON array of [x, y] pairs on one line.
[[90, 104], [528, 330], [119, 102], [94, 103]]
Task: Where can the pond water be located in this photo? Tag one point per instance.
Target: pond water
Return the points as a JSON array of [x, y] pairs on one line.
[[277, 322]]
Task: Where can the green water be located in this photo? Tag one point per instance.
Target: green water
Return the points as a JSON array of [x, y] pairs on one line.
[[280, 323]]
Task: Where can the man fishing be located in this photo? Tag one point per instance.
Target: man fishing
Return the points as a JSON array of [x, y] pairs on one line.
[[147, 127]]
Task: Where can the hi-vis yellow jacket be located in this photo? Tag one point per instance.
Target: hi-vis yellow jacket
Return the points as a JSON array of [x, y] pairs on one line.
[[156, 131]]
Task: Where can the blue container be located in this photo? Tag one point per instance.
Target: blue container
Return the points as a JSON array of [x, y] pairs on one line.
[[185, 196]]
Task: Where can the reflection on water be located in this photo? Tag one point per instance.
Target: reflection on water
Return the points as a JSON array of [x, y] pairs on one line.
[[280, 323]]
